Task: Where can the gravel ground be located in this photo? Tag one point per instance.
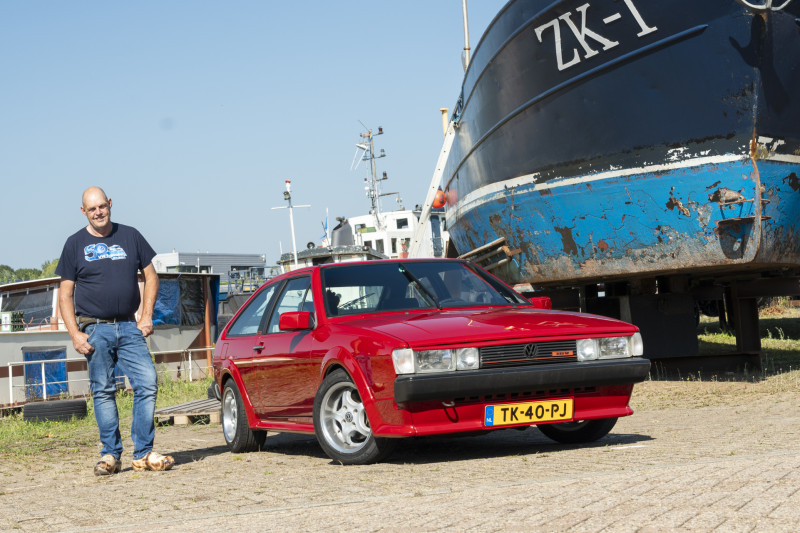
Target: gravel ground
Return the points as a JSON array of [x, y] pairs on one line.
[[694, 456]]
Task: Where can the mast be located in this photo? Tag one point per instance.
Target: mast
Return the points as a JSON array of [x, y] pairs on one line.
[[465, 56], [373, 183]]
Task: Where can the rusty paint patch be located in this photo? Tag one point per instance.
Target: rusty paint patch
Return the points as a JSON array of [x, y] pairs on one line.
[[725, 196], [602, 245], [568, 242], [675, 203], [792, 181]]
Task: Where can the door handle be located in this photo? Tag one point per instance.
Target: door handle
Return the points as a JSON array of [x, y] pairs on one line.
[[258, 348]]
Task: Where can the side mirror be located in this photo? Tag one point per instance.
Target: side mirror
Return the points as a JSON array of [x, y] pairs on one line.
[[539, 302], [296, 320]]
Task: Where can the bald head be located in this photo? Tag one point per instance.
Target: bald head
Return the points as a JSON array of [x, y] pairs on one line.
[[97, 208], [93, 193]]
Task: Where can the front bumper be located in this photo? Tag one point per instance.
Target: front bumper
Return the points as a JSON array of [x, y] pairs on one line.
[[466, 384]]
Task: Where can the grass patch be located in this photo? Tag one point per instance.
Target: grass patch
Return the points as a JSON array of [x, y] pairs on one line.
[[19, 437], [778, 375], [779, 328]]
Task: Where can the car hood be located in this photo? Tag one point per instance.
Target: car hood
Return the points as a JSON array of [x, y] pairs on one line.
[[470, 325]]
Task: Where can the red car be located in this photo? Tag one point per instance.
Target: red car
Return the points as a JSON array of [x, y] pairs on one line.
[[362, 354]]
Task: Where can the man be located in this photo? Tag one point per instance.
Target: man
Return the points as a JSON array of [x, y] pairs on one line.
[[98, 298]]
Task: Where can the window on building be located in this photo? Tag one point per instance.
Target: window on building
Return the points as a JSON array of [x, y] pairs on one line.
[[34, 307]]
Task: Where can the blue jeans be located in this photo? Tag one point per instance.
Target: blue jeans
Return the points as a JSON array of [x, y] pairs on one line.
[[122, 343]]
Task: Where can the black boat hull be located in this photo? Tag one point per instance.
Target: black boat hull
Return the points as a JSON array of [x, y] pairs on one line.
[[631, 138]]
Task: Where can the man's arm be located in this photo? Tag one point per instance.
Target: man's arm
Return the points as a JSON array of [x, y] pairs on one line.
[[145, 323], [66, 291]]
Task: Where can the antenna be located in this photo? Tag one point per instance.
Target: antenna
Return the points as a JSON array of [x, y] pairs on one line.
[[287, 195]]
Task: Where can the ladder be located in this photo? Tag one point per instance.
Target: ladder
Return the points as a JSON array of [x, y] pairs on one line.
[[436, 181]]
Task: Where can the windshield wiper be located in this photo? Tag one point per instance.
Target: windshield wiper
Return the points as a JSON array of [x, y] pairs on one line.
[[422, 290]]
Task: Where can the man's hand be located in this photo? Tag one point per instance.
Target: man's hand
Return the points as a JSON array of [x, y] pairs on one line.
[[145, 326], [81, 343]]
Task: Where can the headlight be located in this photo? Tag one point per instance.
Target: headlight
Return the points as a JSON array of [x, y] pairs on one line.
[[587, 349], [610, 347], [468, 359], [408, 361], [613, 347], [435, 361]]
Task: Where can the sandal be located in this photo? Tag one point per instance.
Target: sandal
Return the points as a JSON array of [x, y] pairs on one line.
[[107, 465], [153, 461]]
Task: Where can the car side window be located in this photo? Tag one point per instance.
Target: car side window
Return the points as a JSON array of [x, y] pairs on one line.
[[249, 319], [296, 296]]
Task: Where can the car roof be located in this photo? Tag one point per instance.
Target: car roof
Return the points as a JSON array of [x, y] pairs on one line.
[[309, 269]]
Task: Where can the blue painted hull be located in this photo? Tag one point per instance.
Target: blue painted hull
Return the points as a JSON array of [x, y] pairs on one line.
[[631, 138]]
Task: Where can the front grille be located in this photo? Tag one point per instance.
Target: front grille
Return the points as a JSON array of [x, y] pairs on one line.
[[528, 353]]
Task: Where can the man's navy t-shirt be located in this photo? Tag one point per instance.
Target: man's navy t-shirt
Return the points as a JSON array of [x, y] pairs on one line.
[[105, 271]]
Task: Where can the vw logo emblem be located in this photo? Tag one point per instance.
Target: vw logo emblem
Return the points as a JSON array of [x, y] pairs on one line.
[[530, 350], [348, 416]]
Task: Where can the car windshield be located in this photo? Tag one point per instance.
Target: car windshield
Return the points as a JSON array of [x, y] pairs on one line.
[[403, 286]]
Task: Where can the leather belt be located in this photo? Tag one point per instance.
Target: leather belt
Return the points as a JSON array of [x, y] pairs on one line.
[[85, 321]]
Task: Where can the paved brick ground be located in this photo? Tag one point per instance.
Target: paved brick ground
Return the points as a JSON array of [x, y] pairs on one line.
[[712, 468]]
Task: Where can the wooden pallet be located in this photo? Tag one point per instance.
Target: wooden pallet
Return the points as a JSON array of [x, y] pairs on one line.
[[190, 412]]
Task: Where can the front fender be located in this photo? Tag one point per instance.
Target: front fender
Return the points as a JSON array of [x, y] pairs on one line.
[[385, 418]]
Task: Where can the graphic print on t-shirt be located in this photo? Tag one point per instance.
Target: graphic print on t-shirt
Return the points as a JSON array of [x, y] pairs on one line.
[[98, 251]]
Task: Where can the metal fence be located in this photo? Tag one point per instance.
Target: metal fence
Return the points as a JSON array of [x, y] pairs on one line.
[[186, 357], [44, 382]]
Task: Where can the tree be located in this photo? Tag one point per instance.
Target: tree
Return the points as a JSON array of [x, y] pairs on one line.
[[26, 274], [49, 268], [6, 274]]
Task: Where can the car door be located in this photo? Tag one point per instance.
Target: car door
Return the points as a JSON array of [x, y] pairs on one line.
[[241, 344], [286, 359]]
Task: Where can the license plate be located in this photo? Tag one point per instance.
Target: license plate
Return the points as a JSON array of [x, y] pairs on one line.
[[528, 413]]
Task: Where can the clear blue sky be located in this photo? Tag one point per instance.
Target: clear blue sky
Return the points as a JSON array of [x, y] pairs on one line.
[[191, 114]]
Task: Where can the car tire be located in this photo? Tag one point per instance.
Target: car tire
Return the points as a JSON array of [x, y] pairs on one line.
[[578, 431], [341, 424], [54, 410], [238, 435]]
